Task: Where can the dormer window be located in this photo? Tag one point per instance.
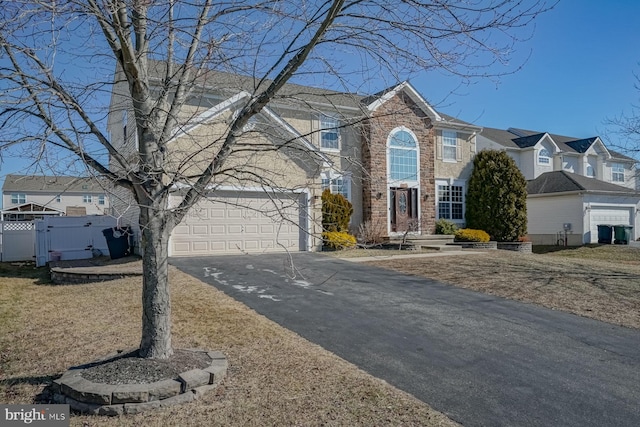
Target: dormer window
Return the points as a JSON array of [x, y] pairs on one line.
[[591, 171], [329, 133], [544, 156]]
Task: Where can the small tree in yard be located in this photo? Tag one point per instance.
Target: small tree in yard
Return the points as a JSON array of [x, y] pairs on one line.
[[57, 61], [497, 197]]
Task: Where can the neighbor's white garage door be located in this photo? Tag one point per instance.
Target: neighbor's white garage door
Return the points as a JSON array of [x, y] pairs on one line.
[[237, 222], [612, 216]]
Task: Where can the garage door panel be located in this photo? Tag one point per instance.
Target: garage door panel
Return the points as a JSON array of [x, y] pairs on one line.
[[611, 216], [246, 222]]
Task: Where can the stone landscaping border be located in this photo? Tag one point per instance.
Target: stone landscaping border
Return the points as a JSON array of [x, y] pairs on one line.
[[108, 399], [475, 245], [524, 247]]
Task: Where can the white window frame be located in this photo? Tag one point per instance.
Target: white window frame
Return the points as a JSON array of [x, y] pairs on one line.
[[617, 172], [544, 156], [449, 146], [58, 198], [329, 179], [449, 184], [329, 125], [86, 198], [18, 198], [591, 171], [101, 199], [415, 149]]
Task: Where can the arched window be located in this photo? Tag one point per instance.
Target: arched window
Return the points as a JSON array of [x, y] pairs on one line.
[[544, 156], [403, 156]]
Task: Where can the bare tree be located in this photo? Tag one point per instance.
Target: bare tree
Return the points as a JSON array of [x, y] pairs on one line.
[[57, 58], [626, 128]]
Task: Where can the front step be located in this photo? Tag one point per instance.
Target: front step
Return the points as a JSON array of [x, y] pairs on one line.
[[424, 240], [438, 242]]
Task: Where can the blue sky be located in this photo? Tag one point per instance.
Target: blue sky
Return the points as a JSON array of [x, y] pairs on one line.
[[583, 56]]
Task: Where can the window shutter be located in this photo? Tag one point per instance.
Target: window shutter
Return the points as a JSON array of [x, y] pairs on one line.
[[314, 138], [458, 149], [439, 147]]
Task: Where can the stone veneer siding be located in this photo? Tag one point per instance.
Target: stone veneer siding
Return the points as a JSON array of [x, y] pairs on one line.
[[398, 111]]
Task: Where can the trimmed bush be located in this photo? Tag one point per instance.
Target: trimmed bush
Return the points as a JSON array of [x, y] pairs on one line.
[[470, 235], [336, 212], [497, 197], [444, 226], [337, 240]]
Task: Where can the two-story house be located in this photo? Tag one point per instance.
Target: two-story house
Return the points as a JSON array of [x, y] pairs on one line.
[[574, 184], [399, 162], [28, 197]]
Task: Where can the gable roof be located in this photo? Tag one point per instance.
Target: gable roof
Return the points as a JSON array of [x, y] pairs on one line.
[[225, 85], [266, 112], [563, 182], [375, 101], [52, 184], [32, 208], [523, 138], [528, 141]]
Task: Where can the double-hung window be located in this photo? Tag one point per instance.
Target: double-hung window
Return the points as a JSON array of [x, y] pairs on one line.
[[329, 133], [337, 183], [18, 198], [617, 172], [101, 199], [86, 198], [449, 145], [451, 202]]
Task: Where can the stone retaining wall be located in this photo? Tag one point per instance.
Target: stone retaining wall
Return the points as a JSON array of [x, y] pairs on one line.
[[110, 399]]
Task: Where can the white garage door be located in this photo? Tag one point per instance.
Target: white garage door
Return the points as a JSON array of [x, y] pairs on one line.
[[612, 216], [238, 222]]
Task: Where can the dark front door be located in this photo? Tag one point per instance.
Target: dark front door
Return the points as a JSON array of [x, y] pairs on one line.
[[403, 209]]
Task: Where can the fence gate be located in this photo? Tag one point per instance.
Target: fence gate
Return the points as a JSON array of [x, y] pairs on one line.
[[71, 237], [18, 240]]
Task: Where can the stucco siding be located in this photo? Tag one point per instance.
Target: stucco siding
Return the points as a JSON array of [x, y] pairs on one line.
[[546, 217]]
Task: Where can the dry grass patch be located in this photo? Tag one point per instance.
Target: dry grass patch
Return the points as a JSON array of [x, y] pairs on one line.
[[598, 282], [275, 377]]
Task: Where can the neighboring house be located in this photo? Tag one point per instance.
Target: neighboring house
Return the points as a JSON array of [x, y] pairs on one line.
[[558, 198], [574, 184], [536, 153], [400, 163], [28, 197]]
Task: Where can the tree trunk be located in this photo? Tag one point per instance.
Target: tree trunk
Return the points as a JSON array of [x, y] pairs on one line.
[[156, 300]]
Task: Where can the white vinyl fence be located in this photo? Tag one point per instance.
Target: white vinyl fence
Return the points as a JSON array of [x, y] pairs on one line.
[[71, 237], [17, 240]]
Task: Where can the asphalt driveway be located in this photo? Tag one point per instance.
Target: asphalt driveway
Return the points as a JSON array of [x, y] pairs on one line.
[[482, 360]]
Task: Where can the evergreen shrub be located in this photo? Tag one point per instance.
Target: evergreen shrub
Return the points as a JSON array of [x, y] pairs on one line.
[[444, 226], [470, 235], [337, 240]]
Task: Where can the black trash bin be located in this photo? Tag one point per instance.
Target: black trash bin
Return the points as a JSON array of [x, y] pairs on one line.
[[604, 233], [118, 241], [622, 234]]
